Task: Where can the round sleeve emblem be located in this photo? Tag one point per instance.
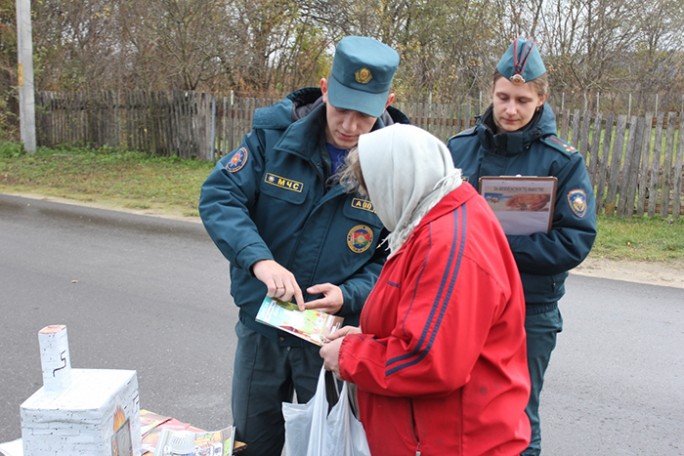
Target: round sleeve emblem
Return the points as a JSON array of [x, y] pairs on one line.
[[360, 238], [238, 160]]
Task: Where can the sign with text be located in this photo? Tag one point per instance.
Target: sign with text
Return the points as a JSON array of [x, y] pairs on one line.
[[523, 204]]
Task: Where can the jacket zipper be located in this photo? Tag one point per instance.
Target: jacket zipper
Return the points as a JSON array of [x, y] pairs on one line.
[[415, 430], [315, 208]]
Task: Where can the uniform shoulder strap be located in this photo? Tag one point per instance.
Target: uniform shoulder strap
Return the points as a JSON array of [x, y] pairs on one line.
[[559, 144]]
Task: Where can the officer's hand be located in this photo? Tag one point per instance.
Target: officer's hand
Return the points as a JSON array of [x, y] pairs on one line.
[[280, 282], [332, 299]]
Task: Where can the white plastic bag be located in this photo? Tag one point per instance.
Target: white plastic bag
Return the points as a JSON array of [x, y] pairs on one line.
[[347, 436], [310, 430]]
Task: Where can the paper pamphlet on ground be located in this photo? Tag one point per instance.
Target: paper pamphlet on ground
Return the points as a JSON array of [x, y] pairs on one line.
[[154, 425], [175, 442], [523, 204], [311, 325], [150, 420]]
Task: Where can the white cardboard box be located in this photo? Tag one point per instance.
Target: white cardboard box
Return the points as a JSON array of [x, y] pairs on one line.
[[79, 412], [96, 414]]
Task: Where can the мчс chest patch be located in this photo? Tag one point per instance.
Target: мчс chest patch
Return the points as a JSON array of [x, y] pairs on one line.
[[283, 182], [360, 238]]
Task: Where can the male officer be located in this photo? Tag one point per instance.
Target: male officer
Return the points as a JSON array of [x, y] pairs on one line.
[[273, 209]]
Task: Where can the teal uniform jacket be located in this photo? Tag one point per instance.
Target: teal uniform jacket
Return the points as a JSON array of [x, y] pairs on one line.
[[271, 198], [543, 259]]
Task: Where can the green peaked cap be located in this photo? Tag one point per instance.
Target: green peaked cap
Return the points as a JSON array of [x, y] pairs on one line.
[[521, 62], [361, 75]]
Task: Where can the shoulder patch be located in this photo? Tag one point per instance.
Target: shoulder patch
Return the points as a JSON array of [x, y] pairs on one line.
[[577, 200], [559, 144], [238, 160]]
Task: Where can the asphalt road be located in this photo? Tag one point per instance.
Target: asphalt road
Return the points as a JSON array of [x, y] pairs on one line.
[[135, 292], [151, 294]]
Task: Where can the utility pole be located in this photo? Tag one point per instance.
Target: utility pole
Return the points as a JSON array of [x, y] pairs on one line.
[[27, 104]]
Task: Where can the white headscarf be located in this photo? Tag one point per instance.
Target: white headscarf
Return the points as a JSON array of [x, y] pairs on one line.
[[407, 171]]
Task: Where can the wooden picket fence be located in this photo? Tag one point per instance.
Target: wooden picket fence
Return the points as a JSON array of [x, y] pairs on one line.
[[636, 163]]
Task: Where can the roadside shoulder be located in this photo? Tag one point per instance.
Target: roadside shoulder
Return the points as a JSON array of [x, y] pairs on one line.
[[669, 274]]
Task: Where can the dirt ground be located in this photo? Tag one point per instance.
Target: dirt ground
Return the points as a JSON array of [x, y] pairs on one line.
[[665, 274]]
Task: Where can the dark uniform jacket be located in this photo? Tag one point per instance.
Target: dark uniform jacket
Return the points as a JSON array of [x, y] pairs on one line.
[[543, 259], [272, 199]]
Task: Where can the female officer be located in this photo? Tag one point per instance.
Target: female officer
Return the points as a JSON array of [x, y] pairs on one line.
[[517, 136]]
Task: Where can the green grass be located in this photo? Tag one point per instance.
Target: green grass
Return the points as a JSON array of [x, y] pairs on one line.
[[640, 239], [132, 180]]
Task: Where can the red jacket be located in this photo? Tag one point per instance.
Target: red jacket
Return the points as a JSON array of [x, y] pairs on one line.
[[441, 365]]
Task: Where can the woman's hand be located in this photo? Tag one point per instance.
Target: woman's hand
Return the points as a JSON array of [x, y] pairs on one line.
[[330, 351]]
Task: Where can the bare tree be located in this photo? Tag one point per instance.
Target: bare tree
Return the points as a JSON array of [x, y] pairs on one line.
[[658, 64], [275, 33], [447, 52], [448, 48], [177, 42], [74, 43]]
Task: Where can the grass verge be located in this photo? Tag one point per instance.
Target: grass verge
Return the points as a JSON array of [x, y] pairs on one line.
[[130, 180], [170, 186]]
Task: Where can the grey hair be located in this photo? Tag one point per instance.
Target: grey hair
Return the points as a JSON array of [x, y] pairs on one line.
[[350, 175]]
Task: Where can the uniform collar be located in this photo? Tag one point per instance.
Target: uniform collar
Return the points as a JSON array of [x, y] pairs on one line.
[[305, 137], [508, 143]]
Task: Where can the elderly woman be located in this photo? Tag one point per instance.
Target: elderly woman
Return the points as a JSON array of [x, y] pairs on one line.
[[439, 359]]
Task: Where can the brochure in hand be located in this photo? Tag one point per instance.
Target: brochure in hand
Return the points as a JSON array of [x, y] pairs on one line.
[[311, 325]]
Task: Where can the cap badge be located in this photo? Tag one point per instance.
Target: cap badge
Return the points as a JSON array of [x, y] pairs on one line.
[[517, 79], [363, 75]]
